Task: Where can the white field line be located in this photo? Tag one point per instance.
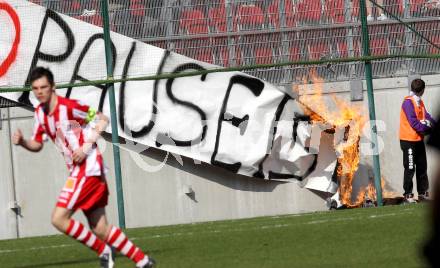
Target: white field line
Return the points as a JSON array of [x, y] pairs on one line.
[[35, 248], [215, 231]]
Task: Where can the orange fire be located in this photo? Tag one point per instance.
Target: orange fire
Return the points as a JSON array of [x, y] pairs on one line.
[[371, 191], [341, 115]]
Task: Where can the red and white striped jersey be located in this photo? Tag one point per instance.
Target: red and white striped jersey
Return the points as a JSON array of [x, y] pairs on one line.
[[69, 126]]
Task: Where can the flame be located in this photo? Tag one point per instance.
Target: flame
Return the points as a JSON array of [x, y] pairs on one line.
[[346, 116], [371, 191], [351, 118]]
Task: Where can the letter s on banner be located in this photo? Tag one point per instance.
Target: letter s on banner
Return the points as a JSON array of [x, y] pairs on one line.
[[12, 55], [367, 147]]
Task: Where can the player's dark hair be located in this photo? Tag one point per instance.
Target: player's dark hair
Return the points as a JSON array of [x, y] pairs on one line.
[[417, 85], [40, 72]]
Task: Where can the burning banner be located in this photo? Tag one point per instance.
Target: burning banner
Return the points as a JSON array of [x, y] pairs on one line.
[[230, 120], [347, 123]]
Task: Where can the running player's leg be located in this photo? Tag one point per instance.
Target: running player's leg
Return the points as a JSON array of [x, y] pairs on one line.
[[114, 237], [62, 220], [98, 222]]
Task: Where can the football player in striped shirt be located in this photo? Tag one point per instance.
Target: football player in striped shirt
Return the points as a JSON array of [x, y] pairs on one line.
[[75, 127]]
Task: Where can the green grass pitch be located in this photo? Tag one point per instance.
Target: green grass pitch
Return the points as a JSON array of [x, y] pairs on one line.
[[372, 237]]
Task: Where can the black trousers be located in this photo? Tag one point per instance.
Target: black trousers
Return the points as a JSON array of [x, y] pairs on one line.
[[414, 161]]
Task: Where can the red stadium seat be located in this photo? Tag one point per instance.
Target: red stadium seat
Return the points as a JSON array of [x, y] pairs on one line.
[[224, 53], [73, 8], [342, 48], [250, 17], [136, 19], [205, 55], [334, 10], [137, 9], [309, 10], [95, 20], [377, 29], [76, 5], [397, 33], [217, 18], [416, 6], [263, 55], [294, 53], [428, 28], [317, 51], [379, 46], [433, 49], [357, 47], [343, 51], [355, 8], [194, 22], [379, 39], [395, 7], [274, 13]]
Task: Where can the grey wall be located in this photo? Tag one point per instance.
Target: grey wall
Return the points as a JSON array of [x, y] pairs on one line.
[[388, 101], [151, 198], [158, 198]]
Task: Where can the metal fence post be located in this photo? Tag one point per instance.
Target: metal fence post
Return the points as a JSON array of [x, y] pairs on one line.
[[113, 115], [371, 105], [230, 28]]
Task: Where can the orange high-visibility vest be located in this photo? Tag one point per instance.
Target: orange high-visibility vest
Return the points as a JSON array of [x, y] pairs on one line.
[[407, 133]]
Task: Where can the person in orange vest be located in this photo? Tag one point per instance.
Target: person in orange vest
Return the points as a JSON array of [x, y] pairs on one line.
[[415, 122]]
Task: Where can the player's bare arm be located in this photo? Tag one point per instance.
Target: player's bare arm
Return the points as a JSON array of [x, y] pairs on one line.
[[29, 144], [80, 154]]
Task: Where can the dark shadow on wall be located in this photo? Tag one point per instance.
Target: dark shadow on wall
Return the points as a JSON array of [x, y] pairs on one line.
[[208, 171], [322, 195]]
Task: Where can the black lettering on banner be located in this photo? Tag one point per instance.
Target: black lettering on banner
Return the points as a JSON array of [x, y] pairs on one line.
[[298, 118], [77, 77], [24, 98], [302, 118], [241, 123], [279, 111], [256, 86], [275, 175], [147, 128], [163, 138]]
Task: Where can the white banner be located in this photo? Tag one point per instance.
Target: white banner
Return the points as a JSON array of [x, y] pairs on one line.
[[231, 120]]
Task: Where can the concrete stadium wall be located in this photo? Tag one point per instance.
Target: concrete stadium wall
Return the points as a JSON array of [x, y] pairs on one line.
[[151, 199], [388, 101], [159, 198]]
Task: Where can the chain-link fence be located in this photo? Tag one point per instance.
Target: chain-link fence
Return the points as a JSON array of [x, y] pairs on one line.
[[254, 32], [245, 32]]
